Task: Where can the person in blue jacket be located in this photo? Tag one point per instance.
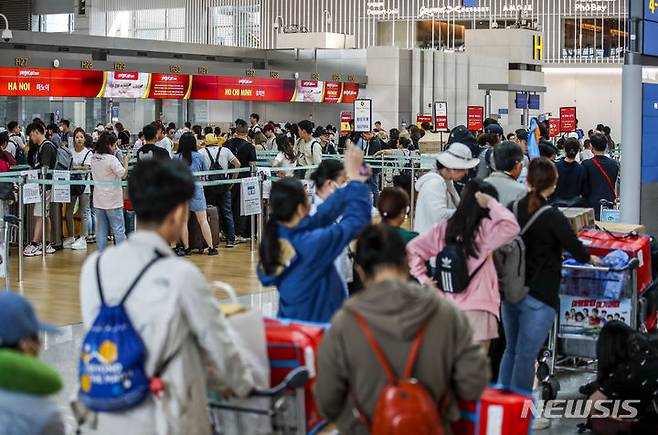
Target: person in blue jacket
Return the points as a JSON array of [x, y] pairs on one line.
[[298, 251]]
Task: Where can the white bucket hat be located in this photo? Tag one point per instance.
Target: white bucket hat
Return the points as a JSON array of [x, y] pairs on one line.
[[458, 156]]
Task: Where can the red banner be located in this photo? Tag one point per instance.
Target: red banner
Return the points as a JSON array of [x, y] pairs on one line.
[[350, 92], [554, 127], [174, 86], [130, 84], [423, 118], [475, 117], [332, 92], [567, 119]]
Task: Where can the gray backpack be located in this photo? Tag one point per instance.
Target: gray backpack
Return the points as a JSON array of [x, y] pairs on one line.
[[510, 262]]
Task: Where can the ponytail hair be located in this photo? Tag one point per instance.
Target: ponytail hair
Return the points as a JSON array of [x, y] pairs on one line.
[[542, 174], [285, 197], [572, 147]]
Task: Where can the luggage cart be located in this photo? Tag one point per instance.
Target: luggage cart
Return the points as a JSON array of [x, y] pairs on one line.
[[286, 410], [568, 350]]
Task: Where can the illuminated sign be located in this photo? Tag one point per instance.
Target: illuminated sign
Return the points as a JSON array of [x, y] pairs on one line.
[[428, 12], [44, 82], [537, 47], [379, 9], [590, 6], [21, 62]]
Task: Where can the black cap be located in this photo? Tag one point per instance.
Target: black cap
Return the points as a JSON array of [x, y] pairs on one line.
[[495, 129], [461, 134]]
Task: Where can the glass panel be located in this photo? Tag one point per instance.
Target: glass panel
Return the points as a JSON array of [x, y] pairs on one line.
[[591, 38], [150, 19], [150, 34]]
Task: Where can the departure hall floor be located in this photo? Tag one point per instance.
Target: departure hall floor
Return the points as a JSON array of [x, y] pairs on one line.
[[53, 287]]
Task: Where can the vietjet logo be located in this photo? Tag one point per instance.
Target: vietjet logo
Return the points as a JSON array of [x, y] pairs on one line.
[[126, 75], [349, 92], [169, 78], [245, 81], [28, 73], [309, 83]]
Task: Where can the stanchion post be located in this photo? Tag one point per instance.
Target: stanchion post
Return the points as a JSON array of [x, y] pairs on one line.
[[252, 240], [21, 227], [412, 205], [44, 173], [261, 215]]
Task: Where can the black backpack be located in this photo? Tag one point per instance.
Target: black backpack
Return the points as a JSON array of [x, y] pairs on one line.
[[215, 166], [451, 273], [21, 158]]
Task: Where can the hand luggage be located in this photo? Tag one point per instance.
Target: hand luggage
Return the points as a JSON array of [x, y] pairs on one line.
[[637, 246], [498, 411], [291, 345], [195, 237]]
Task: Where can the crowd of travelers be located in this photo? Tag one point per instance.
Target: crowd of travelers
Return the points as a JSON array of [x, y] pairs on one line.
[[330, 261]]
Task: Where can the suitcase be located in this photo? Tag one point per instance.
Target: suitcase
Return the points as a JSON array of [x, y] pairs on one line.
[[602, 243], [194, 230], [498, 411], [291, 345]]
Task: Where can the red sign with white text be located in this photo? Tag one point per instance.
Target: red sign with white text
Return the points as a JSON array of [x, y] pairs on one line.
[[567, 119], [174, 86], [475, 117], [554, 127], [345, 119], [423, 118], [332, 92], [46, 82], [350, 92]]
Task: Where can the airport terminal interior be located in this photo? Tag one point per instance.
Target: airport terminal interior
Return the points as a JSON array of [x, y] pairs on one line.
[[226, 217]]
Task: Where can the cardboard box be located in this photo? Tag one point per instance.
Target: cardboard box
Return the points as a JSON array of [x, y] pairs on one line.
[[579, 218]]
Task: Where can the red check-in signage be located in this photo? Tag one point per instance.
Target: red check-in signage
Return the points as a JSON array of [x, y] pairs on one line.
[[475, 117], [567, 119], [554, 127], [44, 82]]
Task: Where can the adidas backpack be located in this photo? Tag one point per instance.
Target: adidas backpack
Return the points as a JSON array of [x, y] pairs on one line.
[[510, 262], [451, 272], [404, 405], [112, 374]]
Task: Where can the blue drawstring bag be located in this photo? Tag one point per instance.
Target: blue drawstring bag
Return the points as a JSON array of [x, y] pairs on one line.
[[112, 374]]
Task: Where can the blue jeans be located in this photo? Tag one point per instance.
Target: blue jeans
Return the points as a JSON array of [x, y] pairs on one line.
[[527, 325], [112, 218], [129, 217], [226, 211], [373, 184]]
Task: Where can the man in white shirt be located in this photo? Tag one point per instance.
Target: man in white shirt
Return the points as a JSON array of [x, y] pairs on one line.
[[254, 128], [308, 148], [171, 308], [220, 196], [163, 141], [15, 138]]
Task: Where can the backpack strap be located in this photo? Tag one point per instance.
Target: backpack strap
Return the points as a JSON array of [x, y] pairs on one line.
[[413, 355], [212, 161], [605, 175], [390, 376], [158, 256], [533, 218]]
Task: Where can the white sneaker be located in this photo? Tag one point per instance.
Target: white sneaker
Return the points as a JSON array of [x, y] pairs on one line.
[[32, 251], [541, 423], [80, 244], [68, 242], [50, 249]]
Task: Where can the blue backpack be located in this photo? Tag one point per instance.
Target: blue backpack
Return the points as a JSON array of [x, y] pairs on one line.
[[112, 374]]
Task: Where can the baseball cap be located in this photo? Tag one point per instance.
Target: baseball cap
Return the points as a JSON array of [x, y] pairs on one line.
[[18, 319], [494, 128], [210, 139]]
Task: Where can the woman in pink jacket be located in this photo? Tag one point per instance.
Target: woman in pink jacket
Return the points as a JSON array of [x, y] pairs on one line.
[[482, 225]]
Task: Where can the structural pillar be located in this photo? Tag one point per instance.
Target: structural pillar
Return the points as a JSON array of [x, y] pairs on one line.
[[631, 143]]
